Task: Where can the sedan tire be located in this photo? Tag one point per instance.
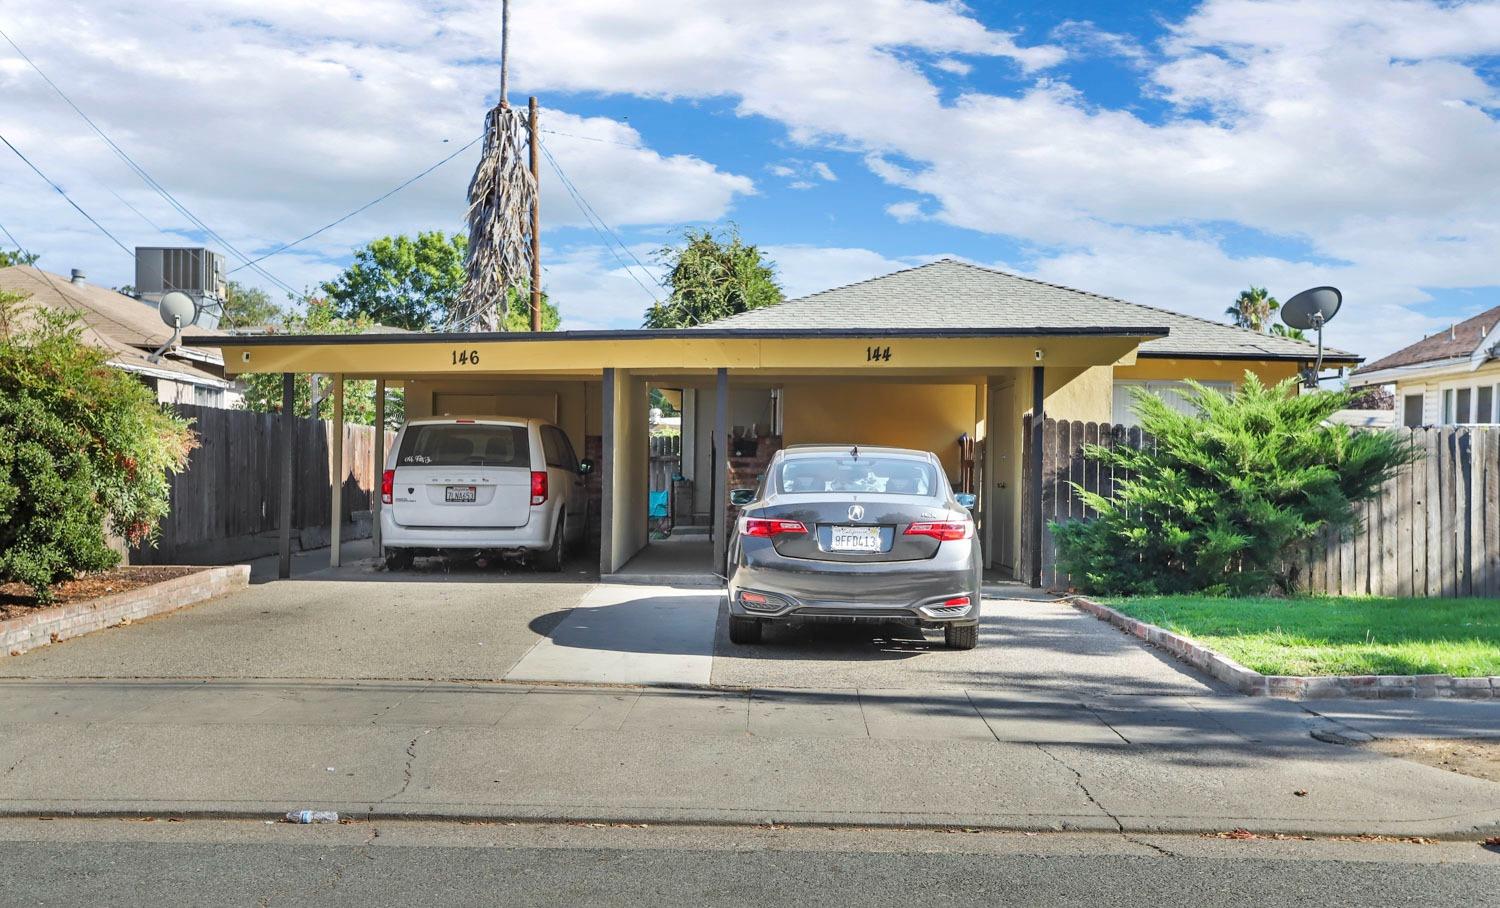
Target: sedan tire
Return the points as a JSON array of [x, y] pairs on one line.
[[961, 636], [744, 631]]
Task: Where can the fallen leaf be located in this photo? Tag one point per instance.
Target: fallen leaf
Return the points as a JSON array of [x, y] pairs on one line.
[[1301, 792]]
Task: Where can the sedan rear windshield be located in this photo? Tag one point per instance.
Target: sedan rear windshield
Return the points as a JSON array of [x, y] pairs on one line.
[[442, 445], [841, 473]]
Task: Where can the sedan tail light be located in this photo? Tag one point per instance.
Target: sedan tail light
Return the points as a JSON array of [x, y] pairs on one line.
[[387, 484], [944, 530], [538, 486], [761, 526]]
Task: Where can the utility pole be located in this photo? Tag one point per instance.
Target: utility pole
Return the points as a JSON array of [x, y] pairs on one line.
[[536, 220]]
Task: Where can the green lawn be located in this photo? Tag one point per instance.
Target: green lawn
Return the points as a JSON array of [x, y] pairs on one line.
[[1335, 635]]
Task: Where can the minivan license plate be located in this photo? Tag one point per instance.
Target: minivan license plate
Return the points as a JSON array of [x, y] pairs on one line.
[[460, 494], [855, 539]]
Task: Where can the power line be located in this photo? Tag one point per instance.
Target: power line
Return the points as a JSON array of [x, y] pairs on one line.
[[601, 228], [284, 247], [570, 135], [102, 229], [141, 171]]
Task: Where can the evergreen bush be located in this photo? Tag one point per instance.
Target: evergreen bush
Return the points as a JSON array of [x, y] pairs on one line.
[[82, 446], [1227, 493]]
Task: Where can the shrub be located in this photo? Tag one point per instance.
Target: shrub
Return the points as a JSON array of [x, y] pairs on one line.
[[1227, 493], [82, 445]]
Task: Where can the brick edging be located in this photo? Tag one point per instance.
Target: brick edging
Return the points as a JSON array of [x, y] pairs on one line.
[[60, 622], [1295, 687]]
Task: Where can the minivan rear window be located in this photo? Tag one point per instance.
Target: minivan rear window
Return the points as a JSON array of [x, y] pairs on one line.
[[835, 473], [444, 445]]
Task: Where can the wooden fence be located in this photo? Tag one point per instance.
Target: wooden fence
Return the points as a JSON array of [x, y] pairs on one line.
[[224, 506], [666, 460], [1434, 530]]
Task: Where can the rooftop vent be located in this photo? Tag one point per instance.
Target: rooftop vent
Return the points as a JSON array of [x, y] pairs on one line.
[[78, 276]]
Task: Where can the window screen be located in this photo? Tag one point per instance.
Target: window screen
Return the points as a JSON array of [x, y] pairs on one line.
[[1175, 393], [1412, 410], [1462, 416], [440, 445], [1484, 404]]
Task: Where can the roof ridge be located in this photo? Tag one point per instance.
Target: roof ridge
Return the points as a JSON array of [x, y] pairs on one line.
[[817, 293], [1116, 299]]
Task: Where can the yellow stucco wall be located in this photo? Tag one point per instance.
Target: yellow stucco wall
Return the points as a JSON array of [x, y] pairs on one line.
[[1152, 369], [630, 472], [925, 416]]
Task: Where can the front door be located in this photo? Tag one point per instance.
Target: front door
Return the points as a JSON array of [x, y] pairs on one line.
[[1004, 448]]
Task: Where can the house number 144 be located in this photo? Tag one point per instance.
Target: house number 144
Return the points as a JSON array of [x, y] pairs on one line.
[[877, 354]]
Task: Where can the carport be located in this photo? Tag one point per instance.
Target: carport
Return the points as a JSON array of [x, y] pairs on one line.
[[958, 392]]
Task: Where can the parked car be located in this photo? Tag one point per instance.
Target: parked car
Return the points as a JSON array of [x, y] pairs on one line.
[[482, 484], [855, 533]]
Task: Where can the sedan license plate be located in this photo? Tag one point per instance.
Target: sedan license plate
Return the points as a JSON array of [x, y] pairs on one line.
[[855, 539], [460, 494]]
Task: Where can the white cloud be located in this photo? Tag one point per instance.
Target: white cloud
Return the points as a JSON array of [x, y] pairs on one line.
[[952, 66], [804, 269], [823, 171]]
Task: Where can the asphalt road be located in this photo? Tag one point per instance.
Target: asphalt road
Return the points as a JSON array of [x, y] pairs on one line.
[[247, 863]]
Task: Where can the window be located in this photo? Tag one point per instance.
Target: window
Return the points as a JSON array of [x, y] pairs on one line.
[[1175, 393], [557, 449], [843, 473], [1411, 410], [442, 445], [1471, 405]]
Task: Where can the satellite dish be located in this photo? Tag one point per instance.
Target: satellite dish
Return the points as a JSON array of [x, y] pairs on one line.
[[177, 310], [1310, 310]]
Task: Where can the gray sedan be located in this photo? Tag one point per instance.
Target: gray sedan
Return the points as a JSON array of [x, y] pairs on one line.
[[854, 533]]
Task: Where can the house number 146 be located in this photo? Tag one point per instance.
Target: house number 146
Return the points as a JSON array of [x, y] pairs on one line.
[[465, 357]]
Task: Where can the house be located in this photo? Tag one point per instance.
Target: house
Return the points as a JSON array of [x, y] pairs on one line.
[[1448, 378], [130, 331], [946, 357]]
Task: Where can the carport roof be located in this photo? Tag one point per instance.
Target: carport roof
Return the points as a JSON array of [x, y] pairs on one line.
[[953, 294]]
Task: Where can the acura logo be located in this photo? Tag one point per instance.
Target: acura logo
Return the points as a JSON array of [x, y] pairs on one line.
[[856, 512]]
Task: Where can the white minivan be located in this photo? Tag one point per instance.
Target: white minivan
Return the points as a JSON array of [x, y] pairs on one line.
[[486, 483]]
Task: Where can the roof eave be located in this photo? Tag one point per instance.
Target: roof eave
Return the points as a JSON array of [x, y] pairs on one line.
[[1328, 357]]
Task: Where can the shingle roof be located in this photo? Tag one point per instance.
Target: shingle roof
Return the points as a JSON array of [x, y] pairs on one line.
[[125, 327], [953, 294], [1457, 342]]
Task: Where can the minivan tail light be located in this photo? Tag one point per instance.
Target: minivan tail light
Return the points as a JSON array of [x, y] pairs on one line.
[[387, 485], [943, 530], [762, 526], [538, 486]]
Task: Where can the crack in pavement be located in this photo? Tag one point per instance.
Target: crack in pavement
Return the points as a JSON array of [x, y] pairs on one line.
[[1119, 827], [406, 771]]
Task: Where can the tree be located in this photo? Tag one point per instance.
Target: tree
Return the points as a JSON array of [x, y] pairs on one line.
[[263, 390], [1281, 330], [1253, 310], [1225, 495], [82, 445], [401, 282], [248, 307], [10, 257], [413, 284], [712, 276]]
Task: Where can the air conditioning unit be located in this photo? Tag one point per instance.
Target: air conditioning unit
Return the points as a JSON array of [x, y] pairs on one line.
[[197, 272]]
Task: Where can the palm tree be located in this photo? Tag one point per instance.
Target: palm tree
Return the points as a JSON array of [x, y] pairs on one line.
[[1281, 330], [1253, 310]]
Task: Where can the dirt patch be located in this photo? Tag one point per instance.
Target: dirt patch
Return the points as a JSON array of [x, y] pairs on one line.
[[16, 599], [1477, 757]]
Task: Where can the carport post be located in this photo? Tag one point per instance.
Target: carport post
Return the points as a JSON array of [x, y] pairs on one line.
[[720, 472], [377, 459], [607, 476], [287, 438], [337, 457], [1038, 417]]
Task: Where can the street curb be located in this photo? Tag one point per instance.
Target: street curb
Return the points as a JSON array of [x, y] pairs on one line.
[[1296, 687], [1446, 828], [61, 622]]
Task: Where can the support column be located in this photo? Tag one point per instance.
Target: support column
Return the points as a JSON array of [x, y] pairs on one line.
[[1034, 465], [337, 462], [606, 471], [378, 460], [981, 471], [719, 475], [287, 440]]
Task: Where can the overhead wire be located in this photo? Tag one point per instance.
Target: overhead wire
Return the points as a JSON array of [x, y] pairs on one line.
[[142, 173], [375, 201], [60, 191]]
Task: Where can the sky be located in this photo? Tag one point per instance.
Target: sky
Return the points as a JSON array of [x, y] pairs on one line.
[[1169, 153]]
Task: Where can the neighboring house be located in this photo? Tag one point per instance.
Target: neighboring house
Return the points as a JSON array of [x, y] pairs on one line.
[[1448, 378], [130, 331]]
